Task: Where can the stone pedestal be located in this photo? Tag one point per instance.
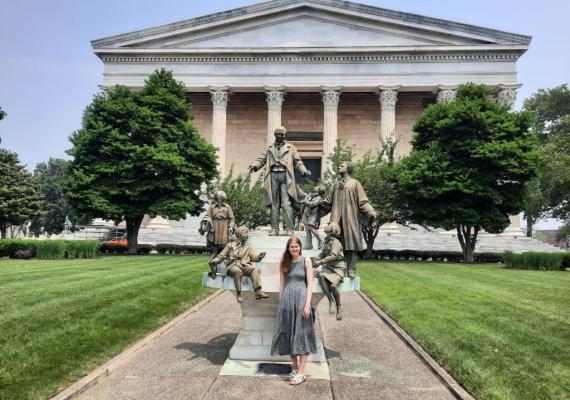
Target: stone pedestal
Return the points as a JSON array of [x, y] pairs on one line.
[[258, 316]]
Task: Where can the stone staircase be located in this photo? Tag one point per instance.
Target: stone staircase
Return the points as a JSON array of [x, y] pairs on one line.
[[392, 237]]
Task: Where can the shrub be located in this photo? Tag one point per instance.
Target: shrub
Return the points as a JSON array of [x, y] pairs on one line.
[[23, 254], [8, 248], [566, 261], [445, 256], [534, 260], [46, 249], [81, 248], [164, 248]]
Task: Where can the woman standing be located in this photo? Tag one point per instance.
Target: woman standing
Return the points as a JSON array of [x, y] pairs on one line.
[[294, 333]]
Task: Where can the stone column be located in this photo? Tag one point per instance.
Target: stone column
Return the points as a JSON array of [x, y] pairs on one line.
[[446, 93], [220, 102], [388, 99], [275, 97], [507, 95], [331, 97]]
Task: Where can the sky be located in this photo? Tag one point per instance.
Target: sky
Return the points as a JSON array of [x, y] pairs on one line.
[[49, 74]]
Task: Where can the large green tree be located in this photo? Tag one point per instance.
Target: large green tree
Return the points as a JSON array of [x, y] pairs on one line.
[[470, 161], [19, 197], [138, 153]]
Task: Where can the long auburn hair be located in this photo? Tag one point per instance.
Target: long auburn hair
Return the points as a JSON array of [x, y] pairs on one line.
[[286, 258]]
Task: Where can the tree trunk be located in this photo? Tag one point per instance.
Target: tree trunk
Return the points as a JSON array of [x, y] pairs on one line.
[[133, 226], [3, 231], [370, 232], [468, 240], [529, 226]]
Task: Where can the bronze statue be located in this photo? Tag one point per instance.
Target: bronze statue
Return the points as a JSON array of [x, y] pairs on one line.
[[218, 223], [281, 159], [330, 267], [239, 256], [311, 215], [349, 205]]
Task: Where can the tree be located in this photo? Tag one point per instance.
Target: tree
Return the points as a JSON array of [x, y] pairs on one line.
[[377, 174], [535, 203], [19, 197], [470, 162], [137, 153], [556, 174], [551, 111], [245, 199], [55, 206], [2, 114]]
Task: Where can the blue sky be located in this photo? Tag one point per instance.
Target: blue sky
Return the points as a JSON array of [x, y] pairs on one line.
[[48, 72]]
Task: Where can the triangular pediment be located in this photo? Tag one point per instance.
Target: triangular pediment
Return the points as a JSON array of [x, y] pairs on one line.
[[305, 24]]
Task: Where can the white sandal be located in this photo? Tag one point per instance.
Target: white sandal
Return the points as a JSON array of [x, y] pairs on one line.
[[298, 379], [292, 374]]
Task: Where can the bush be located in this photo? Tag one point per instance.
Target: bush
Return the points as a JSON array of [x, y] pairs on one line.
[[8, 248], [46, 249], [534, 260], [23, 254], [566, 261], [168, 248]]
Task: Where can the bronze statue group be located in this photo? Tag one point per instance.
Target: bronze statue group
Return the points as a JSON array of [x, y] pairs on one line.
[[348, 206]]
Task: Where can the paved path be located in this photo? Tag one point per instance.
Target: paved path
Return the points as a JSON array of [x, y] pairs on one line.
[[367, 361]]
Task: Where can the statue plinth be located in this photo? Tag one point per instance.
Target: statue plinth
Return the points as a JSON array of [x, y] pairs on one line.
[[258, 316]]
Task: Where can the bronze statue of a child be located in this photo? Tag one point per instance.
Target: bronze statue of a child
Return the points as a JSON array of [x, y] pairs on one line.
[[312, 215], [330, 267], [239, 256]]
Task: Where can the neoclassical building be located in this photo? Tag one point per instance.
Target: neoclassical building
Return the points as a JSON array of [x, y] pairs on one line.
[[324, 69]]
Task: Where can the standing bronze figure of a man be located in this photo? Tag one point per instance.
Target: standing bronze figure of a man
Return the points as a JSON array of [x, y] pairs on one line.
[[349, 206], [281, 159]]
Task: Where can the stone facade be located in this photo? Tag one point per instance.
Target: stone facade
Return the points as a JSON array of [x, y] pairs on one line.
[[325, 69]]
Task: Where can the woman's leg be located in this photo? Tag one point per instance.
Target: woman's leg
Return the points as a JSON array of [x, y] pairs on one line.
[[294, 363], [302, 363]]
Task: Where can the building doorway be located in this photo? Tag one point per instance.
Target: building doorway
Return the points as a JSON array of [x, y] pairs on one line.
[[313, 165]]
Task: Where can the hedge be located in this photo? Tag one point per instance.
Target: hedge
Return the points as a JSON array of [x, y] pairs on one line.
[[537, 260], [426, 255], [49, 249]]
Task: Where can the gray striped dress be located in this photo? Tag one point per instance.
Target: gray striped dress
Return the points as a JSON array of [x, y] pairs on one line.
[[294, 335]]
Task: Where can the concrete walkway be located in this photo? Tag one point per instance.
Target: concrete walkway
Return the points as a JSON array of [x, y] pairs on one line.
[[367, 361]]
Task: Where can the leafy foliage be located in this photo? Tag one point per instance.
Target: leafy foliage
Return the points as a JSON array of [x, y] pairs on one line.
[[551, 111], [245, 198], [470, 162], [55, 206], [19, 197], [137, 153]]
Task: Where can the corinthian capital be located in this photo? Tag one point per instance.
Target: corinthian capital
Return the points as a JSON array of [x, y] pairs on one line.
[[389, 96], [275, 96], [446, 94], [331, 96], [507, 95], [219, 96]]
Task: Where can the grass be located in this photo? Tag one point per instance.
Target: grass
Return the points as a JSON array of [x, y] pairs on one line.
[[503, 334], [60, 319]]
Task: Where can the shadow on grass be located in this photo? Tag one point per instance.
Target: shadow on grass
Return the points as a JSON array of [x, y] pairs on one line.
[[216, 351]]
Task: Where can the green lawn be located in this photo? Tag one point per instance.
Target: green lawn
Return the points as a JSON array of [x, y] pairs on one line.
[[503, 334], [61, 319]]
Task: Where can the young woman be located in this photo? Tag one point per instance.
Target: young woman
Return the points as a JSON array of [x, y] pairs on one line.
[[294, 332]]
